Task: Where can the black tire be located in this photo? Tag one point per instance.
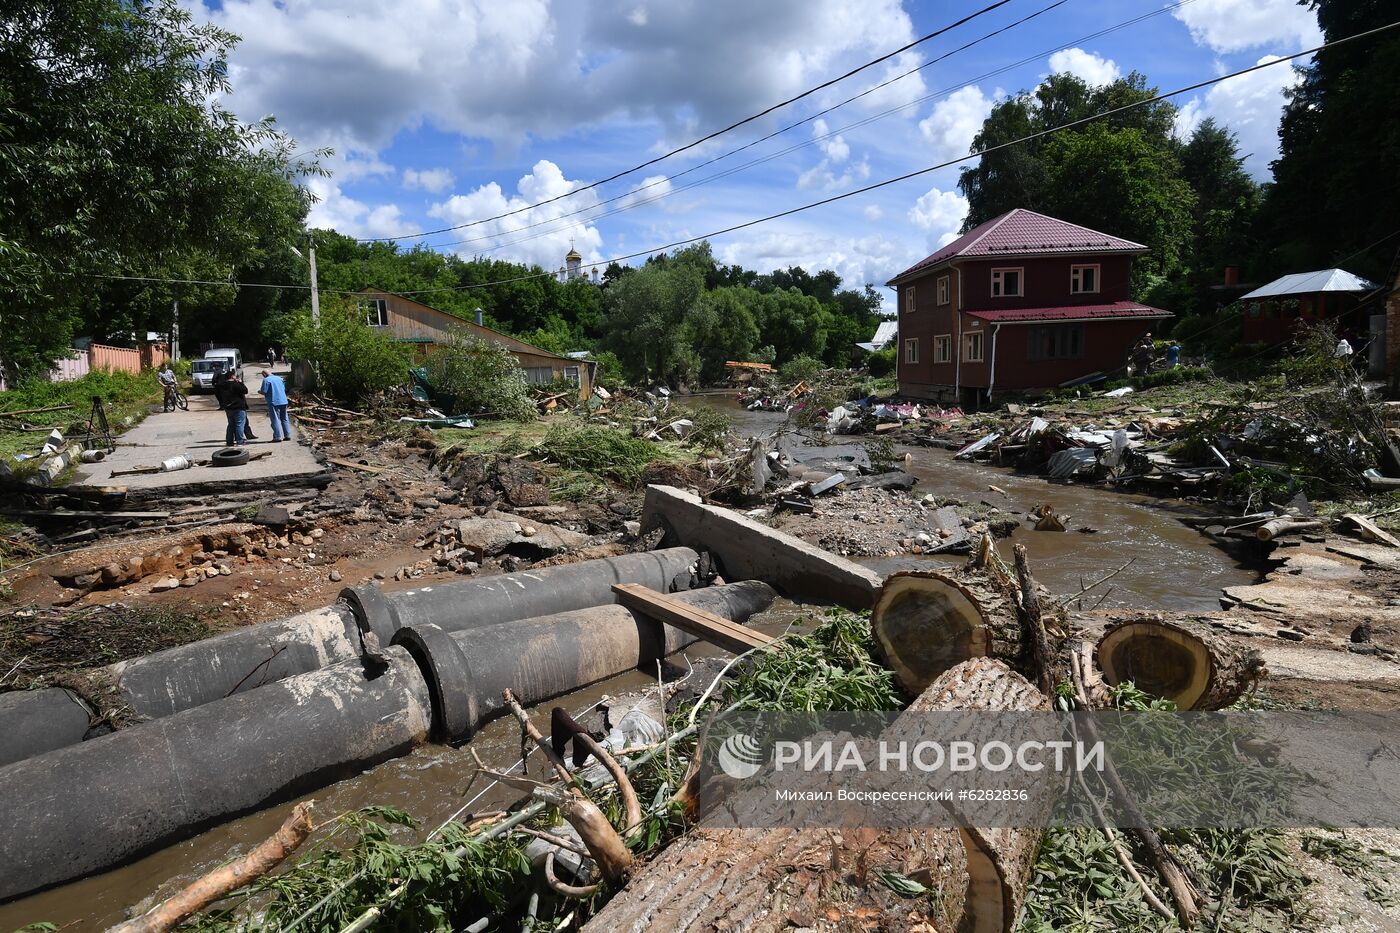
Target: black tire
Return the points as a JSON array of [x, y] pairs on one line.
[[182, 402], [228, 456]]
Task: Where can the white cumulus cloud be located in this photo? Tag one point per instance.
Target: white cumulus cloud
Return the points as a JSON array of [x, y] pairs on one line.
[[1094, 70], [509, 237], [336, 210], [1236, 25], [1249, 105], [435, 180], [939, 214], [955, 120], [651, 188]]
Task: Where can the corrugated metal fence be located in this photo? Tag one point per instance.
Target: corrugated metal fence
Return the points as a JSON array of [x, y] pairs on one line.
[[116, 359], [68, 370]]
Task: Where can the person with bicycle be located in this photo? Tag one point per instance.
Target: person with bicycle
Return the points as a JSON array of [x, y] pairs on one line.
[[167, 379]]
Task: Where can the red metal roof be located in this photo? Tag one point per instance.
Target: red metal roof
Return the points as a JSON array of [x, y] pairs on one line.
[[1119, 310], [1020, 232]]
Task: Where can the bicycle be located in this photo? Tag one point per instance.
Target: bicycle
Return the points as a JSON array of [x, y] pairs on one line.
[[175, 399]]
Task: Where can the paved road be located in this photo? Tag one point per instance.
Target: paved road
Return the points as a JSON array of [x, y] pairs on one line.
[[197, 433]]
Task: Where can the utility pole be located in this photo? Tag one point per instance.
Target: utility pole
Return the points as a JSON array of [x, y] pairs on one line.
[[175, 333], [315, 292]]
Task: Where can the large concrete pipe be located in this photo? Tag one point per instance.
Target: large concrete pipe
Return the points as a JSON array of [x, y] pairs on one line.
[[190, 675], [545, 657], [93, 805], [90, 806]]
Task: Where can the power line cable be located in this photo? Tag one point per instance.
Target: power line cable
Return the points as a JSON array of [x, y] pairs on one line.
[[704, 139], [816, 139], [848, 194]]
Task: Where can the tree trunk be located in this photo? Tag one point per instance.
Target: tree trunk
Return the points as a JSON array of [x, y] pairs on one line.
[[767, 881], [927, 621], [1188, 663]]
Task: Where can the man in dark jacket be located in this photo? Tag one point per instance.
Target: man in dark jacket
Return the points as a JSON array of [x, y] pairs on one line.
[[221, 380], [233, 395]]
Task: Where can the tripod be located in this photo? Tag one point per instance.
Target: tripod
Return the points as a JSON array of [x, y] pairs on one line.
[[98, 429]]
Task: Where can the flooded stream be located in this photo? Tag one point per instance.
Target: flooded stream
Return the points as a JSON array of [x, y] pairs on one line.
[[1175, 567]]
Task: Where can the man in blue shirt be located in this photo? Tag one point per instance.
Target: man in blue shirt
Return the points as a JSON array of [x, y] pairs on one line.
[[276, 393]]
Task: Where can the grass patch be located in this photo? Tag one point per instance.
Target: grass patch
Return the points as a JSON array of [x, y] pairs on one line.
[[494, 437], [602, 451], [123, 395]]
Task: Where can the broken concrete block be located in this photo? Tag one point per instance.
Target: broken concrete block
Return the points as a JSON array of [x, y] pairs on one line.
[[165, 583], [272, 515], [487, 536], [750, 551]]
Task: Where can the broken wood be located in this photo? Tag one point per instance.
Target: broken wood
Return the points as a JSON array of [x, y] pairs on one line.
[[1047, 520], [771, 881], [300, 417], [927, 621], [59, 514], [1193, 665], [717, 630], [34, 411], [1278, 527], [1370, 530], [1032, 622], [264, 857]]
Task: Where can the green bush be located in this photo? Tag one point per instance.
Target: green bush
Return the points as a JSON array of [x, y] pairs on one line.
[[354, 361], [711, 425], [609, 371], [471, 376], [117, 390], [881, 362], [800, 368], [1172, 377]]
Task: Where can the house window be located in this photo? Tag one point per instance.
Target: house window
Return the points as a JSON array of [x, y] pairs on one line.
[[911, 350], [1006, 283], [943, 348], [1056, 342], [1083, 280], [972, 348], [943, 296], [908, 299], [571, 374], [539, 375], [376, 312]]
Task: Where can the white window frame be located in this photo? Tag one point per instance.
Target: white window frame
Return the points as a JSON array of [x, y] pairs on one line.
[[999, 282], [968, 340], [945, 290], [571, 374], [911, 350], [378, 308], [943, 348], [539, 375], [1076, 281], [908, 299]]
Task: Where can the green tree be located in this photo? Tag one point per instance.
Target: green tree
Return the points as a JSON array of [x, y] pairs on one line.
[[721, 327], [115, 158], [644, 326], [472, 376], [353, 361], [1335, 191]]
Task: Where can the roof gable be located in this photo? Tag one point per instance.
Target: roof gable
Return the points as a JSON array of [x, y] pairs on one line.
[[453, 321], [1307, 283], [1020, 232]]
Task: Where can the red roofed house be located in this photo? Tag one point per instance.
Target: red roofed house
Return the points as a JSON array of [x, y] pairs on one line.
[[1023, 301]]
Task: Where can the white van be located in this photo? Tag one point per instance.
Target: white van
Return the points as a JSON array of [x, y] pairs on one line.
[[231, 356]]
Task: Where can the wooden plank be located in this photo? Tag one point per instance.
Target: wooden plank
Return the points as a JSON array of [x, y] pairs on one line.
[[356, 466], [59, 513], [301, 417], [1371, 530], [717, 630]]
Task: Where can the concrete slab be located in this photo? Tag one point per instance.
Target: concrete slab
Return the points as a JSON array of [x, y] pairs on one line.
[[750, 551], [197, 433]]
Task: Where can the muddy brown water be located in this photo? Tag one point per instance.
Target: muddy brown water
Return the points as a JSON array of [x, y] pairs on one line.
[[1175, 568]]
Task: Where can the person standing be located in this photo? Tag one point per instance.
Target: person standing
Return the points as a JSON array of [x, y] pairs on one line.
[[271, 356], [233, 395], [275, 391]]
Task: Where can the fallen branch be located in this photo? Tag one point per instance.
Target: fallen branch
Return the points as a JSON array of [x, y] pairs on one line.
[[264, 857], [1033, 623]]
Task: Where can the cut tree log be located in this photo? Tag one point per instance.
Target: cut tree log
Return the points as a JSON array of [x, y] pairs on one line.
[[927, 621], [264, 857], [772, 880], [1190, 664], [1278, 527]]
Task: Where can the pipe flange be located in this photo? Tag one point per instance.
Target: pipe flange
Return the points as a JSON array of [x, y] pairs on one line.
[[448, 674], [373, 611]]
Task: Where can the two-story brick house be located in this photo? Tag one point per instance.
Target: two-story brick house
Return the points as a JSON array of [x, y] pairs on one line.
[[1023, 301]]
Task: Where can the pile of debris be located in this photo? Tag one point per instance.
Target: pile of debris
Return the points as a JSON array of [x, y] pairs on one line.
[[462, 545]]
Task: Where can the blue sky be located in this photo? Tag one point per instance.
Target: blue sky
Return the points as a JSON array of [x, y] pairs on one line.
[[444, 112]]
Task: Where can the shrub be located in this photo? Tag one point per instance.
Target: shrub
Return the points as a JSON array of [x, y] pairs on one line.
[[471, 376], [599, 450], [881, 362], [711, 425], [354, 361], [800, 368]]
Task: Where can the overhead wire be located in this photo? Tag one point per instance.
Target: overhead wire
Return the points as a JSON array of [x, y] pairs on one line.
[[854, 192], [865, 121], [717, 133]]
